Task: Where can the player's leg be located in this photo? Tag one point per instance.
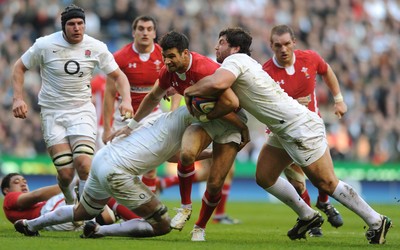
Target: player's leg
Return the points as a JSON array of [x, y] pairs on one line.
[[322, 175], [121, 211], [271, 162], [150, 180], [61, 154], [223, 157], [295, 175], [220, 215], [133, 194], [194, 141], [83, 151]]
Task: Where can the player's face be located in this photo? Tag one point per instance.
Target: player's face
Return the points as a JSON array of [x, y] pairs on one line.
[[223, 49], [18, 184], [74, 30], [175, 61], [144, 34], [283, 48]]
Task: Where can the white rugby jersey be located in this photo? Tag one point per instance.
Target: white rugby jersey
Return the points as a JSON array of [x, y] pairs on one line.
[[151, 144], [260, 95], [66, 69]]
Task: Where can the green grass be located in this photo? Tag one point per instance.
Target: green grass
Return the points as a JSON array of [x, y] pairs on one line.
[[264, 226]]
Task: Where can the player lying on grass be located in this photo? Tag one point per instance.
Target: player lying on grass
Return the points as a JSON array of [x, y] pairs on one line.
[[115, 173], [20, 202]]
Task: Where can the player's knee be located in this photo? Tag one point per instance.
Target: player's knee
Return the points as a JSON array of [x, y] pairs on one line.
[[63, 160], [92, 209], [187, 158], [214, 186], [83, 149], [160, 220]]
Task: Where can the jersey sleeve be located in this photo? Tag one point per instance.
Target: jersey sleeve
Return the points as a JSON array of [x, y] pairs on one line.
[[164, 80], [107, 62], [233, 65], [321, 65], [11, 199], [31, 57]]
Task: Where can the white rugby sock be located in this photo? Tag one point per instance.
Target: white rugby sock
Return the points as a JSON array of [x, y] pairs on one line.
[[285, 192], [81, 187], [58, 216], [131, 228], [346, 195]]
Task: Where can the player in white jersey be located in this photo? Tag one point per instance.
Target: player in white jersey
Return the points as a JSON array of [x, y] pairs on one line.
[[114, 173], [67, 60], [300, 136]]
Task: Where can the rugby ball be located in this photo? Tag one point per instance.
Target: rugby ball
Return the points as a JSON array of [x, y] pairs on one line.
[[203, 104]]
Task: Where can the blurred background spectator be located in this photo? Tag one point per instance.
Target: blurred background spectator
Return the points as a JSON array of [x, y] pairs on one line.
[[358, 38]]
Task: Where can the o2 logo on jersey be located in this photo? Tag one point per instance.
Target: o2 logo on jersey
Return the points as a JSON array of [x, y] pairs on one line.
[[72, 67]]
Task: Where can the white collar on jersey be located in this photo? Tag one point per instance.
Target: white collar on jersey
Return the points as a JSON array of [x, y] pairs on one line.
[[289, 69], [143, 56], [183, 75]]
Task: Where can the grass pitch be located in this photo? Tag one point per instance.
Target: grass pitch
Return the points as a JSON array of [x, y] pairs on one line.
[[264, 226]]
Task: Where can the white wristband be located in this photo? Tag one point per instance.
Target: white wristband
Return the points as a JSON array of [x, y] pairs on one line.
[[203, 118], [338, 98], [133, 124]]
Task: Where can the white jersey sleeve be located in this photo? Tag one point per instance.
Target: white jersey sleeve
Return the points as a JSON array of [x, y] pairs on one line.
[[66, 69], [260, 95]]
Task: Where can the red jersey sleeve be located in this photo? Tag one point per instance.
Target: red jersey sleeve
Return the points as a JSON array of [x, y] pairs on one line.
[[14, 213]]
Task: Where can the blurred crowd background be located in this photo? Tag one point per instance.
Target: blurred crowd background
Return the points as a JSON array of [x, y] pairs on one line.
[[358, 38]]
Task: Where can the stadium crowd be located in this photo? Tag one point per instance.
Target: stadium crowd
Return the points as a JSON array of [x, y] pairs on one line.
[[358, 38]]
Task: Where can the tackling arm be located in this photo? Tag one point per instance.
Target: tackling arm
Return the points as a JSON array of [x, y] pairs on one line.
[[27, 200], [212, 85]]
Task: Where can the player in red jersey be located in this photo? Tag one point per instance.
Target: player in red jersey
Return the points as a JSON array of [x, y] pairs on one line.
[[21, 203], [295, 71], [183, 69], [141, 61]]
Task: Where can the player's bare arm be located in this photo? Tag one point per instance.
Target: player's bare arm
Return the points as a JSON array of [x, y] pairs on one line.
[[20, 109], [108, 108], [340, 107], [123, 88], [28, 199], [149, 102], [212, 85]]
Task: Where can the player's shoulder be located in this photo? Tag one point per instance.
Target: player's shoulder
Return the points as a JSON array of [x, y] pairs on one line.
[[93, 41], [47, 40], [157, 48], [202, 63], [306, 53], [268, 64], [127, 48]]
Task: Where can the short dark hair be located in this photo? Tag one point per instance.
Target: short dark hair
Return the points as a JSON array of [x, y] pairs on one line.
[[280, 30], [5, 183], [238, 37], [144, 18], [174, 39]]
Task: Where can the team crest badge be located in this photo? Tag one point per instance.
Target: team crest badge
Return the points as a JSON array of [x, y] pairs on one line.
[[88, 53], [305, 71]]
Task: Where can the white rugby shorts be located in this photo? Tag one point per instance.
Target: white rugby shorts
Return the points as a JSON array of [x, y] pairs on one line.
[[57, 125], [304, 140]]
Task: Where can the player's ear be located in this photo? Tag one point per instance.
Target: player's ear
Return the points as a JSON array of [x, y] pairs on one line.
[[5, 190]]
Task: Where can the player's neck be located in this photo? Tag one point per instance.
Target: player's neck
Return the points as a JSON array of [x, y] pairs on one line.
[[143, 49]]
